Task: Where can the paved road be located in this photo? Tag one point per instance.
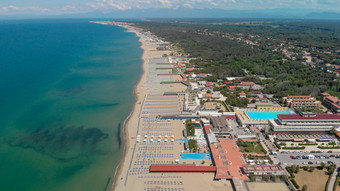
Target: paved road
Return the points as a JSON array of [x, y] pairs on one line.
[[331, 183]]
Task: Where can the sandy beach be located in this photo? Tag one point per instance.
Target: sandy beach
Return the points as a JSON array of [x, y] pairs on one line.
[[131, 123], [159, 141]]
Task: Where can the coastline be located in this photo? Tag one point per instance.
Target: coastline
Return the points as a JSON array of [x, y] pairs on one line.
[[133, 171], [133, 116]]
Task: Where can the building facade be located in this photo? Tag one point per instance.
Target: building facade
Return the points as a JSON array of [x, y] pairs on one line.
[[305, 122], [301, 102], [331, 102]]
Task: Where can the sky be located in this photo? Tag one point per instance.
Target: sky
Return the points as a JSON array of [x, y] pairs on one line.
[[50, 7]]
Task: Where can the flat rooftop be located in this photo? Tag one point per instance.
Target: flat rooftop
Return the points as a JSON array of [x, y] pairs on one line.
[[228, 159], [316, 117]]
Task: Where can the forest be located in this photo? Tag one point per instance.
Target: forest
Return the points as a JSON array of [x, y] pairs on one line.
[[225, 57]]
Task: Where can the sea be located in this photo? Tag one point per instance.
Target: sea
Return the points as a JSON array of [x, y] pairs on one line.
[[66, 88]]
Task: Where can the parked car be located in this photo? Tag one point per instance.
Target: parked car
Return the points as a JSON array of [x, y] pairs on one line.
[[304, 157], [310, 162], [329, 151]]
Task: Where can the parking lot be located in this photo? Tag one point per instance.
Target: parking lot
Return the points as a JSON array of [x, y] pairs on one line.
[[326, 157], [303, 136]]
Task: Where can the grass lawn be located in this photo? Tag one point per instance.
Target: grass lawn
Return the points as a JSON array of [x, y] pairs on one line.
[[251, 147], [315, 180], [270, 186]]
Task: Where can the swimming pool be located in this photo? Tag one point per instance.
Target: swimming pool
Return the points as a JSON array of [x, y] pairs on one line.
[[195, 156], [265, 115]]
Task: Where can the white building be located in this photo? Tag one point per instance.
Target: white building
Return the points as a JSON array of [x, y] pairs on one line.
[[304, 122]]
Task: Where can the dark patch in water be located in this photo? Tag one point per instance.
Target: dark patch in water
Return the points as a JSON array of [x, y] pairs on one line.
[[70, 171], [107, 183], [72, 91], [63, 143], [98, 105], [119, 137]]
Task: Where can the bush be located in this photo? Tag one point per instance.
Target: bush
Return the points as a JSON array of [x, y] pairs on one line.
[[321, 147], [308, 144], [295, 183], [193, 145], [277, 145], [294, 148], [289, 170], [304, 187]]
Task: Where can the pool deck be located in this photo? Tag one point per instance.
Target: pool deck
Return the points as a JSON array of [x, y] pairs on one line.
[[244, 118]]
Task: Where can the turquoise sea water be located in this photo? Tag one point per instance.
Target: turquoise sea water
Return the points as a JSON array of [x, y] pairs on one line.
[[66, 87], [265, 115]]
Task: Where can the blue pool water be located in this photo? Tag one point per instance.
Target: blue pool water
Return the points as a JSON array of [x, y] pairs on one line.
[[265, 115], [195, 156]]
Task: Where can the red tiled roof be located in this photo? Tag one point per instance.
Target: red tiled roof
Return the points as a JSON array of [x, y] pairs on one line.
[[242, 93], [320, 116], [209, 84], [332, 99], [298, 97], [325, 94], [335, 105], [232, 88], [181, 168], [257, 98], [180, 65], [255, 92], [207, 129], [229, 116]]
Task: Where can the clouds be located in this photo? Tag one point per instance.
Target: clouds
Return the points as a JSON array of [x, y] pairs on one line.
[[76, 6], [12, 8], [170, 4], [221, 4], [133, 4]]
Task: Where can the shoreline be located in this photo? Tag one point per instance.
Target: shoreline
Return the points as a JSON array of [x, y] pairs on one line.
[[125, 134]]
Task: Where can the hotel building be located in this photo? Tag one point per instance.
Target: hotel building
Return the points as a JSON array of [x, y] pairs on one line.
[[301, 102], [304, 122], [331, 102]]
